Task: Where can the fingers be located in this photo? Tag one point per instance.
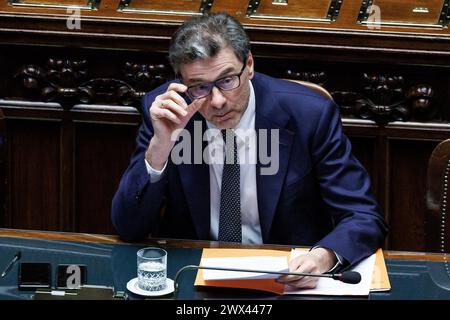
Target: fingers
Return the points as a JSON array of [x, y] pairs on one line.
[[171, 105], [177, 87], [162, 113], [294, 266], [173, 93], [174, 89], [302, 264]]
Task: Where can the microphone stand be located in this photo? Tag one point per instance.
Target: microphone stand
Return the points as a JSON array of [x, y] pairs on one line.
[[352, 277]]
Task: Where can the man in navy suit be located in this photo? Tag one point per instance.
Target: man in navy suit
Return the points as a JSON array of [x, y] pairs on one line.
[[298, 181]]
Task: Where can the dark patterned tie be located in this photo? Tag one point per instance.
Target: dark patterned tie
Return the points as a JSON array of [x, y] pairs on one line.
[[230, 201]]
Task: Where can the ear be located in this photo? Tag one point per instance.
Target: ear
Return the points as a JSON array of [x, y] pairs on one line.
[[250, 65]]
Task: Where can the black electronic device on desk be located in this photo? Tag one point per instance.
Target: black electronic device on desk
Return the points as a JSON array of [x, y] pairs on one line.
[[71, 285], [33, 275]]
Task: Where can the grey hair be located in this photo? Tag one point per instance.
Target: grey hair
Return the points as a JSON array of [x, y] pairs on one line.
[[203, 37]]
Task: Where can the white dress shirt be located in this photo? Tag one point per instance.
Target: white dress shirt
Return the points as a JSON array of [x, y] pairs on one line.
[[246, 144]]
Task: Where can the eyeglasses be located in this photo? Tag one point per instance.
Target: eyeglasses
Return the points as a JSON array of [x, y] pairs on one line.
[[227, 83]]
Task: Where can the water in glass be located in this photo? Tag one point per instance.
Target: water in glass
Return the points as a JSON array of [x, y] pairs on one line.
[[152, 276]]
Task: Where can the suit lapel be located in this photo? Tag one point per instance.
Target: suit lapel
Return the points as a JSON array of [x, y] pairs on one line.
[[270, 116], [195, 181]]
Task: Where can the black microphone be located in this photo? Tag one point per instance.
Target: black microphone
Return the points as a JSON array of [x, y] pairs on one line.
[[351, 277]]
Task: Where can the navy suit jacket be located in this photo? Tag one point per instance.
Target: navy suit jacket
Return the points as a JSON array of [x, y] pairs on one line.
[[319, 196]]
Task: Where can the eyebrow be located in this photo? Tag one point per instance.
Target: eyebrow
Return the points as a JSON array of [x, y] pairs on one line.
[[224, 73]]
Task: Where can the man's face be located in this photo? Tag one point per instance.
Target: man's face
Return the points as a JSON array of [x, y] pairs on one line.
[[224, 109]]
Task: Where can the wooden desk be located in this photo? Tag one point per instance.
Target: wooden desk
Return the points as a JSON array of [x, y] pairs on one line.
[[111, 262], [113, 239]]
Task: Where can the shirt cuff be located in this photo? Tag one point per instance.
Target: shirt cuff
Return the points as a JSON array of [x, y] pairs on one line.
[[339, 263], [155, 175]]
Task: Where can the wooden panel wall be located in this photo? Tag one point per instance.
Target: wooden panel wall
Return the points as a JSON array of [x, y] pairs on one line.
[[35, 174], [407, 200], [102, 153], [61, 167]]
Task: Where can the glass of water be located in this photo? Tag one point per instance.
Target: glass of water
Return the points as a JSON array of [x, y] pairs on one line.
[[152, 268]]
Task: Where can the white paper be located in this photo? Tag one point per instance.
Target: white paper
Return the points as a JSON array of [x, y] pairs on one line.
[[263, 263], [325, 286], [328, 286]]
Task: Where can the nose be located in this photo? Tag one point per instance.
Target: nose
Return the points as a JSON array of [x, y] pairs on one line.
[[217, 98]]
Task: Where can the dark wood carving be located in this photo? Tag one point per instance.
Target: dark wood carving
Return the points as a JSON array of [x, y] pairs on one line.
[[319, 77], [385, 99], [381, 98], [109, 91], [67, 82], [144, 76]]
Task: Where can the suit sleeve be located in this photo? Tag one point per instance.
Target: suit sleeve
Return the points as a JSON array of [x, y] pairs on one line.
[[359, 228], [137, 203]]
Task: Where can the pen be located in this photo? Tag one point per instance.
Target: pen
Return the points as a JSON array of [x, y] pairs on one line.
[[11, 263]]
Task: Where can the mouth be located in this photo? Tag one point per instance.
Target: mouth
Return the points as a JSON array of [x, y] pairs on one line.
[[224, 117]]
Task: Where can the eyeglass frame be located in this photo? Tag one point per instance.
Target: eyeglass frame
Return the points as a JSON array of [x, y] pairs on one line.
[[213, 83]]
